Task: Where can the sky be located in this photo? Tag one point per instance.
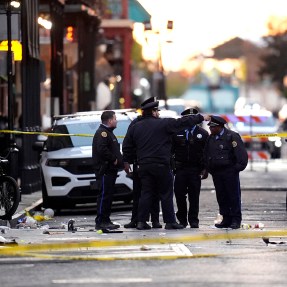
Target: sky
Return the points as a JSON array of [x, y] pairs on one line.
[[200, 25]]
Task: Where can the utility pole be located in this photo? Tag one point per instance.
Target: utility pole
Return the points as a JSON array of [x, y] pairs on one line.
[[13, 151]]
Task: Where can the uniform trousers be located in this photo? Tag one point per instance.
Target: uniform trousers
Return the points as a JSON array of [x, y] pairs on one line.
[[228, 193], [105, 198], [136, 196], [157, 182], [187, 182]]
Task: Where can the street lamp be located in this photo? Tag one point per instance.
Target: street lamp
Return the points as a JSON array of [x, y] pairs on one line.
[[159, 79]]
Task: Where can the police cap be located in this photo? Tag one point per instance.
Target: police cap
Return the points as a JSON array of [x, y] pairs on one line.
[[216, 121], [150, 103], [189, 112]]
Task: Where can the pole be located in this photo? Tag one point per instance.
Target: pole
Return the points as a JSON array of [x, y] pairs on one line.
[[162, 79], [9, 69], [13, 151]]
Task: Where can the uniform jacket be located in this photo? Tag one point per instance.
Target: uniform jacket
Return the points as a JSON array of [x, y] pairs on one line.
[[130, 156], [151, 138], [227, 151], [106, 149], [187, 147]]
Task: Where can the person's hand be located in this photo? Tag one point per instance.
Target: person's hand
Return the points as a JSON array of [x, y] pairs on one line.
[[207, 117], [127, 168], [116, 162], [204, 174]]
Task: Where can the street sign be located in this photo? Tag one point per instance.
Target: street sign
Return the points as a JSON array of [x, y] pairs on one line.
[[16, 48]]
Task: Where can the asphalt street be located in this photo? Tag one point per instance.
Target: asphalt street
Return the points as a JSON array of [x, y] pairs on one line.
[[199, 257]]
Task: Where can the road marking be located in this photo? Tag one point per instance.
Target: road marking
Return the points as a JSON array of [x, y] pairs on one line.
[[162, 251], [101, 280], [104, 243]]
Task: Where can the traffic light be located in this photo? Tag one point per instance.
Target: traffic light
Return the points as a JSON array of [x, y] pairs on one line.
[[70, 34]]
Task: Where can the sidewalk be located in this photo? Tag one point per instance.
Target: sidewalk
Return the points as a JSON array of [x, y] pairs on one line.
[[255, 177]]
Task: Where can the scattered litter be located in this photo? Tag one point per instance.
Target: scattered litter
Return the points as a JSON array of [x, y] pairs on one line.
[[246, 226], [45, 226], [267, 241], [30, 222], [4, 229], [259, 225], [111, 231], [4, 241], [71, 226], [39, 216], [53, 232], [49, 213], [145, 248], [64, 225], [218, 218]]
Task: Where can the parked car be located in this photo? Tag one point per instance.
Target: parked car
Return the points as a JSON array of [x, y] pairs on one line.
[[258, 121], [66, 161]]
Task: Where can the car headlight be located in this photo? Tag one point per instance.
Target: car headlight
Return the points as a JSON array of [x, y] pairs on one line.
[[278, 143], [57, 162], [274, 139]]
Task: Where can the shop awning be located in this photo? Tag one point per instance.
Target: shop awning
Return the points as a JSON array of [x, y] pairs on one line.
[[137, 12]]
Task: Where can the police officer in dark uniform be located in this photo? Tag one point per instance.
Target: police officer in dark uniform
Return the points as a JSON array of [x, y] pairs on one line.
[[225, 156], [137, 184], [151, 138], [187, 154], [107, 160]]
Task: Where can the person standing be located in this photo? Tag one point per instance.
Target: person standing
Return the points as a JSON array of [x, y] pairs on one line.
[[187, 153], [154, 216], [151, 139], [225, 157], [107, 160]]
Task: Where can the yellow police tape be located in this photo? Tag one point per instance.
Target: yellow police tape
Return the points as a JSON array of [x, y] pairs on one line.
[[228, 235], [281, 135], [48, 134]]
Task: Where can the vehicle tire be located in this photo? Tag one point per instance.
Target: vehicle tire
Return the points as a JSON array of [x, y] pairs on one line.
[[276, 153], [46, 201], [9, 197]]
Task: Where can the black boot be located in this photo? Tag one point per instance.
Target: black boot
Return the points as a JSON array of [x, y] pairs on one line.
[[156, 224], [143, 226], [132, 224], [225, 223]]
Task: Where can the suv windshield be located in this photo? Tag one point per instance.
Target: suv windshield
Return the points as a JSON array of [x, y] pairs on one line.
[[88, 128]]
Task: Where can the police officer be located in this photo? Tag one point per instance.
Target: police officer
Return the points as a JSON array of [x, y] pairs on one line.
[[225, 156], [131, 159], [107, 160], [187, 152], [151, 138]]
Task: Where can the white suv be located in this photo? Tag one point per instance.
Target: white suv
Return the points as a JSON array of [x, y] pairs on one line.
[[66, 161]]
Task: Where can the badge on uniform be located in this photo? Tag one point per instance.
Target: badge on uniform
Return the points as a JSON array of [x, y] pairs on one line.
[[234, 144], [199, 136], [104, 134]]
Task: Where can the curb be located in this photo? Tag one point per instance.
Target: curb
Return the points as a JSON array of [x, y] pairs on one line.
[[246, 188]]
